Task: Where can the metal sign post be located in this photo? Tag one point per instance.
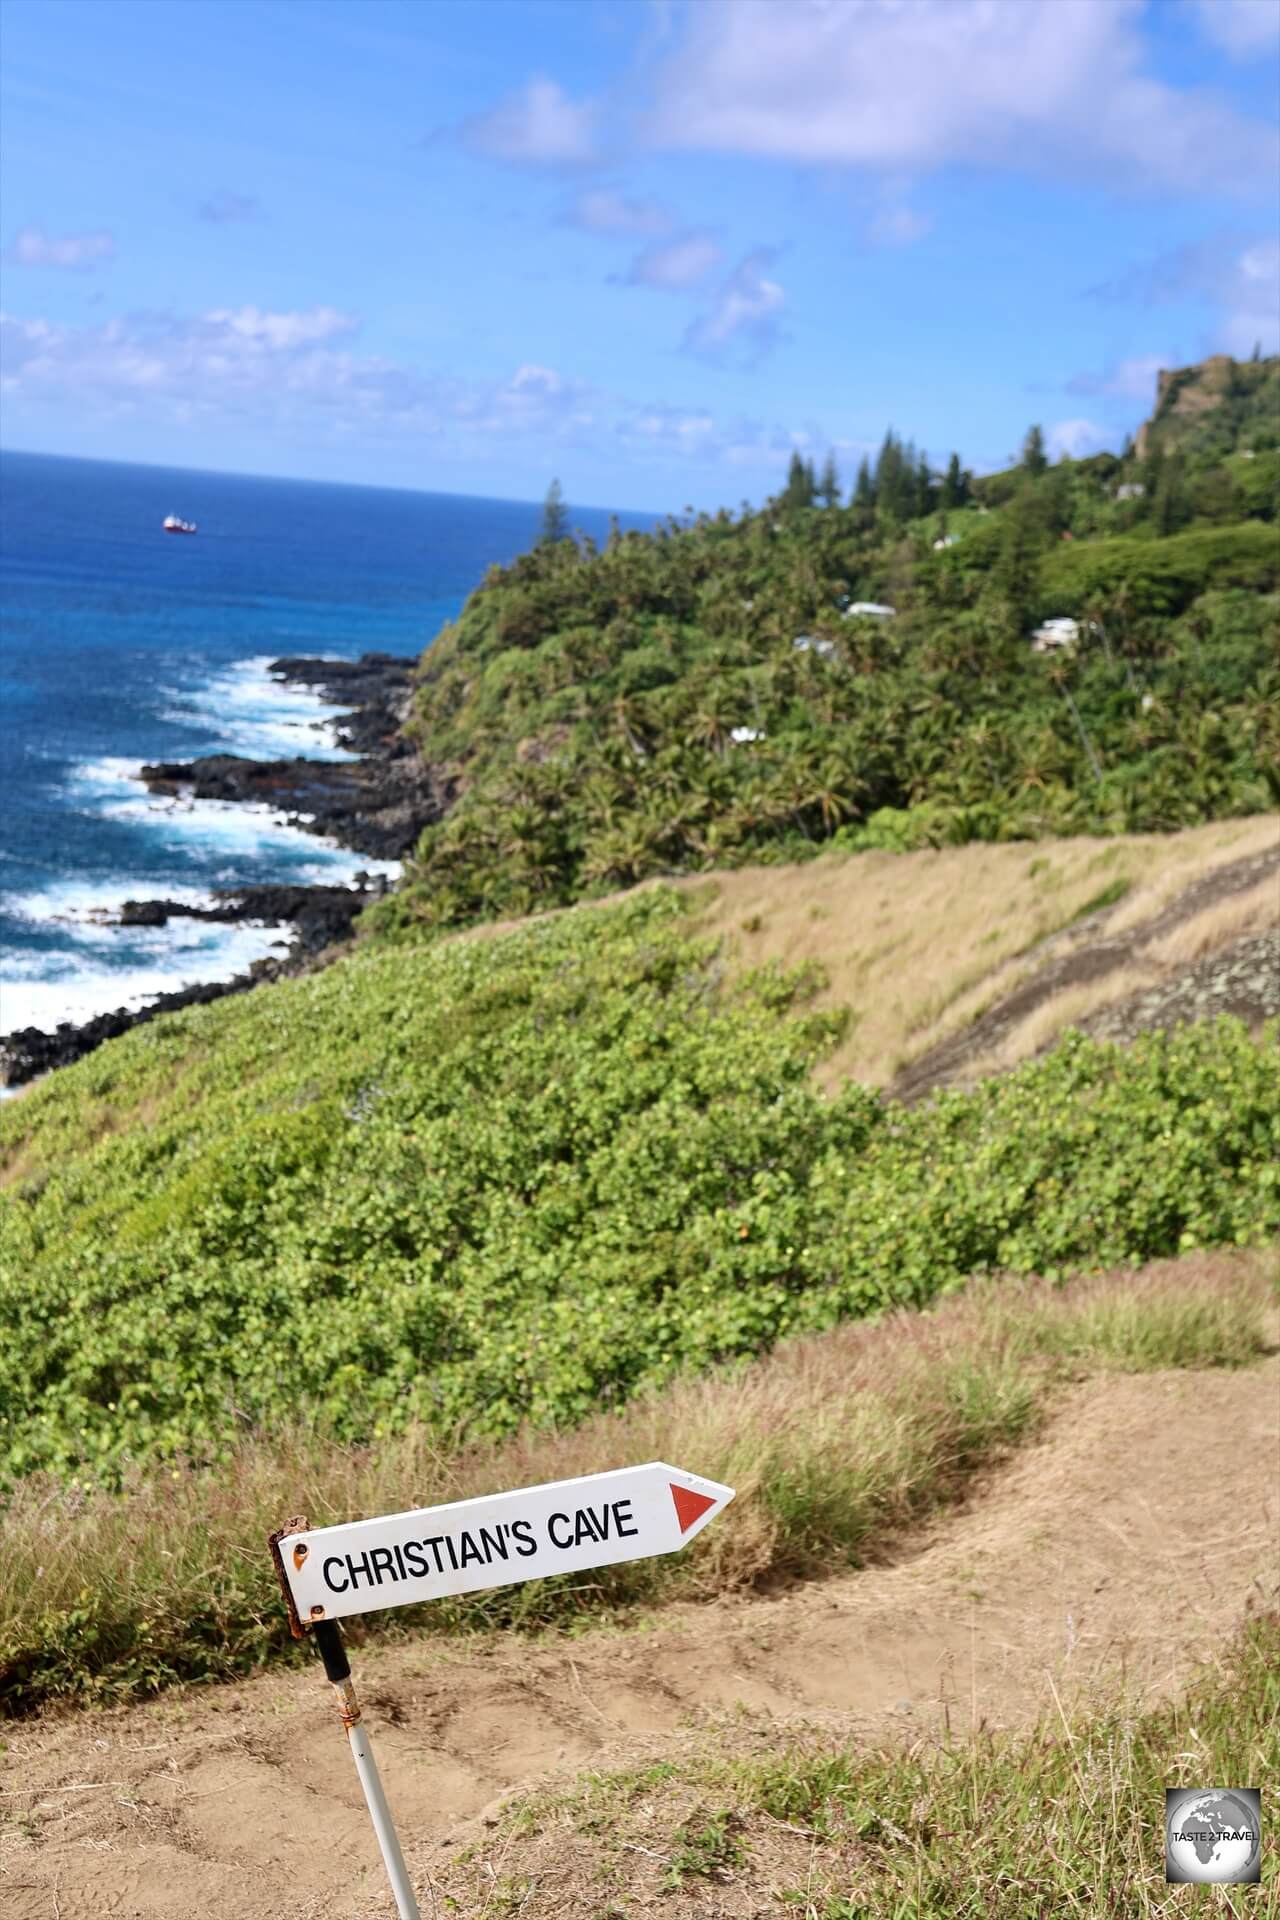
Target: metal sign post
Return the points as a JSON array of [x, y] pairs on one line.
[[329, 1640], [567, 1526]]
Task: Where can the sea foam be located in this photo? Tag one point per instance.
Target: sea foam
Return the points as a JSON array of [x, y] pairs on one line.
[[83, 961], [184, 953], [244, 709]]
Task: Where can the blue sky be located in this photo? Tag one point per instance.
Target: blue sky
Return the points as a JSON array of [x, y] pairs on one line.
[[645, 245]]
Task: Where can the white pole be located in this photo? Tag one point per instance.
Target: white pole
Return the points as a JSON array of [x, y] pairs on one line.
[[383, 1825], [334, 1655]]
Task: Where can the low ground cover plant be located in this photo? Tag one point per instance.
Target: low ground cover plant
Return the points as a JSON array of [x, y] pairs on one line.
[[834, 1443], [519, 1179], [524, 1178]]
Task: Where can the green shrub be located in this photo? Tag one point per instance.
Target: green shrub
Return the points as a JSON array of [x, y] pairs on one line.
[[521, 1178], [1161, 576]]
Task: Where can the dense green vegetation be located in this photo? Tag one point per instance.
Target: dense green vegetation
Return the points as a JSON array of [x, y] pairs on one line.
[[526, 1176], [448, 1196], [835, 1444], [708, 694], [1066, 1819]]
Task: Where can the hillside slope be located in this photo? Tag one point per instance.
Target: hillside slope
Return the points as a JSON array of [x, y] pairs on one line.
[[937, 949], [528, 1174], [733, 691], [1021, 1597]]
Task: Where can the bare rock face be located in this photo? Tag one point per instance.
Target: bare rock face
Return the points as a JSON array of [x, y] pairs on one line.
[[1185, 395]]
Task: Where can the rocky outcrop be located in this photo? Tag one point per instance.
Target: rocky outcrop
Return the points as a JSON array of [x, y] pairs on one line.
[[28, 1053], [377, 805], [1241, 978], [1185, 396], [377, 686], [321, 920], [318, 915]]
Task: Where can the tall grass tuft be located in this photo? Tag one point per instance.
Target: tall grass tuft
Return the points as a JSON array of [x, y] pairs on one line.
[[834, 1443]]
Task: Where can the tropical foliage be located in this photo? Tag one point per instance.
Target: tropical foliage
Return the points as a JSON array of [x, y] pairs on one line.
[[711, 693]]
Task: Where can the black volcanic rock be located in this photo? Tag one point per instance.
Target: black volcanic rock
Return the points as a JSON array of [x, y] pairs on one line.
[[377, 805], [30, 1052], [379, 686], [319, 915]]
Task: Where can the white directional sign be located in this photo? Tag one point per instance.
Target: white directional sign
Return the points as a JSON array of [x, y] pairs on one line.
[[564, 1527]]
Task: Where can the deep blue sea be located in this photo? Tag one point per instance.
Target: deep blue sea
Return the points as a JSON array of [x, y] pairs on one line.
[[123, 644]]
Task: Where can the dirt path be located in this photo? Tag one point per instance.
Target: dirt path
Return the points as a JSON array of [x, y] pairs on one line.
[[1091, 1549]]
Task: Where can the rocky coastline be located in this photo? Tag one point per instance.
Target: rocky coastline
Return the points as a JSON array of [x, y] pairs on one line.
[[376, 805]]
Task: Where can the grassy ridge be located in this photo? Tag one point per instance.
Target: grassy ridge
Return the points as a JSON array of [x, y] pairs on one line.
[[523, 1178], [1068, 1819], [833, 1443]]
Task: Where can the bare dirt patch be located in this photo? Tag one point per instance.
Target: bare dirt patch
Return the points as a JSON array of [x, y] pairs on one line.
[[1082, 1555]]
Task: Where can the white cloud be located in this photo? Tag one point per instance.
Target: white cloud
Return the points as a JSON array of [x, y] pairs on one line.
[[1076, 438], [1044, 85], [33, 247], [1250, 296], [1236, 276], [283, 330], [744, 314], [538, 127], [1241, 27], [676, 266], [296, 372], [603, 210]]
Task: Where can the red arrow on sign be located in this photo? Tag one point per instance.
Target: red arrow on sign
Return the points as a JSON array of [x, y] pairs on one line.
[[690, 1506]]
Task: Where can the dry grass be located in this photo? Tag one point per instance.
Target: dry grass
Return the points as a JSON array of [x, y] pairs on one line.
[[1226, 920], [1195, 939], [917, 944], [834, 1444]]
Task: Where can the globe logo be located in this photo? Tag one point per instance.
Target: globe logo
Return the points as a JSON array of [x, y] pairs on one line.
[[1213, 1835]]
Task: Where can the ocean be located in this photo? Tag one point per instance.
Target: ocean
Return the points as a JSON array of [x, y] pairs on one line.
[[123, 644]]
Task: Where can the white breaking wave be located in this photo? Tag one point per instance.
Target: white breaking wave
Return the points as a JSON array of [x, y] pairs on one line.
[[230, 830], [245, 710], [185, 953], [94, 964]]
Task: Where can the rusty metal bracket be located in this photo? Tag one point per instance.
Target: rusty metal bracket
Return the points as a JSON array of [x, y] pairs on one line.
[[300, 1524]]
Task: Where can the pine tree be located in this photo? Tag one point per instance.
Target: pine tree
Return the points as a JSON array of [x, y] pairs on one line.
[[1034, 457], [864, 489], [895, 481], [800, 487], [925, 490], [1017, 569], [555, 516], [829, 485], [955, 487]]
